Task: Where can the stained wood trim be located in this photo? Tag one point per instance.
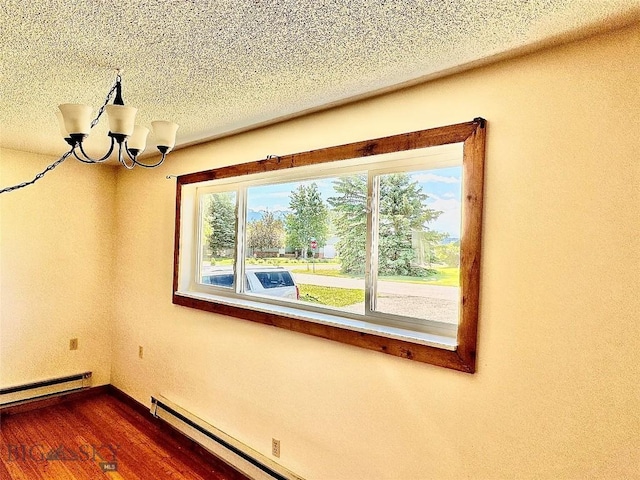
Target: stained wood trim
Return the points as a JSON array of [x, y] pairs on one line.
[[473, 136], [129, 401], [407, 141], [371, 341], [471, 245], [176, 238]]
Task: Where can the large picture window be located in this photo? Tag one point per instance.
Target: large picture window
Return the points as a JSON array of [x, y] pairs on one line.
[[375, 244]]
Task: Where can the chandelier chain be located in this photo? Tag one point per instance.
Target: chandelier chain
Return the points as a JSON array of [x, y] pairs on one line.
[[67, 154], [106, 101], [40, 175]]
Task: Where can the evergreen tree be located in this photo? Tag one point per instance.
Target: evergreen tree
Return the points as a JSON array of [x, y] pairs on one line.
[[350, 207], [222, 220], [402, 226]]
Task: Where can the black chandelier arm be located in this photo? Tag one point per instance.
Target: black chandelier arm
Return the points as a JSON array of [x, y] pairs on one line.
[[40, 175], [133, 156], [83, 160], [88, 159], [145, 165], [131, 153], [123, 160]]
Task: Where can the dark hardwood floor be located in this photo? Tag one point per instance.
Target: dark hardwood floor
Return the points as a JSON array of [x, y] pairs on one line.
[[95, 437]]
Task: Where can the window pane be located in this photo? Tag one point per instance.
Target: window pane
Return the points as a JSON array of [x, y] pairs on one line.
[[218, 234], [418, 244], [299, 235]]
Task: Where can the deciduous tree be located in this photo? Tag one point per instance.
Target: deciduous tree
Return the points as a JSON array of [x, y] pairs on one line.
[[266, 233], [309, 218]]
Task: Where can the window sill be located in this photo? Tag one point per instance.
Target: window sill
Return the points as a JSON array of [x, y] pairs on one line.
[[422, 347], [419, 338]]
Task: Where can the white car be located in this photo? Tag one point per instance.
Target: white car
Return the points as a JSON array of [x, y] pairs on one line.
[[274, 281]]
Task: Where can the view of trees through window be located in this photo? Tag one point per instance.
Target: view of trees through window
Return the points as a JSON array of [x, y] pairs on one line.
[[307, 241]]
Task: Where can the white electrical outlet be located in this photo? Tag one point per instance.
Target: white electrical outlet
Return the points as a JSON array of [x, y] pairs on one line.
[[275, 447]]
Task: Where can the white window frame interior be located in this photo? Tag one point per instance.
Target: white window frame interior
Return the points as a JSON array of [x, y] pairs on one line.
[[431, 332]]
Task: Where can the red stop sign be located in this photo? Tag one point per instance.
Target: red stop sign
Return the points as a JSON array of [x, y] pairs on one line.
[[314, 244]]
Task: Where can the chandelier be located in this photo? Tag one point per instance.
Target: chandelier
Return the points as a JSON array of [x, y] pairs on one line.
[[75, 123]]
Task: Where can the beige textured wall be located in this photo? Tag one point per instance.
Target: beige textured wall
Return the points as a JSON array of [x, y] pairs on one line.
[[56, 259], [556, 392]]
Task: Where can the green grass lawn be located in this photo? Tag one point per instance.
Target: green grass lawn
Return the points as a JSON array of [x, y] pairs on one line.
[[332, 296], [445, 276], [325, 272]]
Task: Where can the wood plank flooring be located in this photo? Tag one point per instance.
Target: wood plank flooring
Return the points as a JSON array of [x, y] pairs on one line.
[[97, 437]]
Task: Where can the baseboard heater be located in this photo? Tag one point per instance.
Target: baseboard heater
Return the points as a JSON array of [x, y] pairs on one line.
[[10, 396], [240, 456]]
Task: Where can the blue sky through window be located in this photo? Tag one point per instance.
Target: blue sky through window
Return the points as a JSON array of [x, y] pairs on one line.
[[443, 186]]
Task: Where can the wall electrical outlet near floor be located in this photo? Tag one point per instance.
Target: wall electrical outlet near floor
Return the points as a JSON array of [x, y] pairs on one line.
[[275, 447], [73, 344], [140, 351]]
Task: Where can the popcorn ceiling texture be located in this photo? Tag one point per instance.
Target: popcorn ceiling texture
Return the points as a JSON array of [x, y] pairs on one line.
[[218, 66]]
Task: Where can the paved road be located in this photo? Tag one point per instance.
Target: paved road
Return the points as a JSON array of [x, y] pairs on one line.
[[430, 302], [384, 286]]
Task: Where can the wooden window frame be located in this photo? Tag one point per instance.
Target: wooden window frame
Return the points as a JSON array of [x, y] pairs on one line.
[[473, 137]]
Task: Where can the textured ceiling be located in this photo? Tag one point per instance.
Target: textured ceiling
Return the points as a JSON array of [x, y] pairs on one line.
[[219, 66]]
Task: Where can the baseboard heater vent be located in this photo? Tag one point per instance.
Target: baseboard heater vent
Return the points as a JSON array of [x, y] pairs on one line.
[[10, 396], [240, 456]]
